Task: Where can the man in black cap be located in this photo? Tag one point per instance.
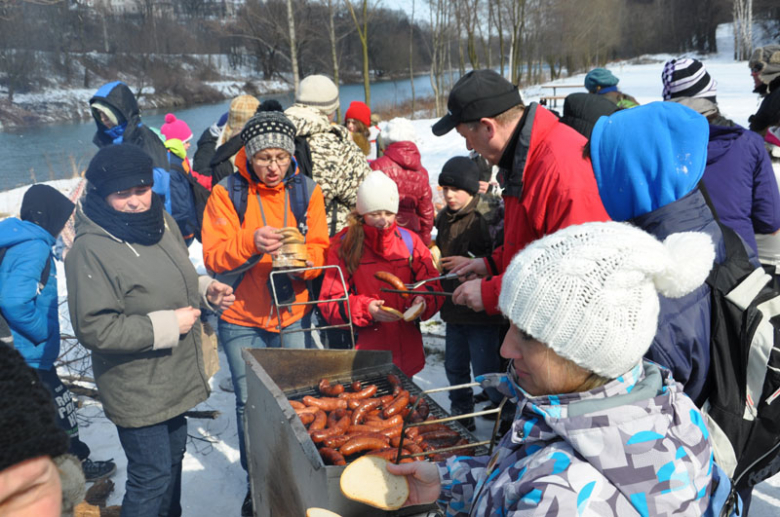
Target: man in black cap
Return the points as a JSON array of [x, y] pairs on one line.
[[547, 183]]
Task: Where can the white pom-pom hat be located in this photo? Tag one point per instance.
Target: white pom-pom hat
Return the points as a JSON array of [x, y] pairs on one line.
[[590, 292]]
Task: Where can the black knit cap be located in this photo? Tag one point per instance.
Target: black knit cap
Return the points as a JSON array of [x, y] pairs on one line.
[[119, 167], [476, 95], [462, 173], [47, 207], [28, 427]]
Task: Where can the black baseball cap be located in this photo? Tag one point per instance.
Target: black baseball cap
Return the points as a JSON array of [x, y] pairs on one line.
[[478, 94]]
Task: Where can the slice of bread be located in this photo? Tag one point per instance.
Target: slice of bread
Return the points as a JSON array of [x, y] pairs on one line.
[[367, 480], [320, 512], [414, 312]]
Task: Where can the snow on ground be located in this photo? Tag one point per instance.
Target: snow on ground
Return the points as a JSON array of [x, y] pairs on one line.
[[213, 482]]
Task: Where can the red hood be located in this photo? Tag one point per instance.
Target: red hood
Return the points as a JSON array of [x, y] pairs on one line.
[[404, 154]]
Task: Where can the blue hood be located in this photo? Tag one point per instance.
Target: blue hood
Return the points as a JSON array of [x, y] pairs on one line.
[[14, 231], [647, 157]]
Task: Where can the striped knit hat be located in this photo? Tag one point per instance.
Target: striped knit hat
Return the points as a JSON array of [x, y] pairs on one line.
[[687, 78], [266, 130]]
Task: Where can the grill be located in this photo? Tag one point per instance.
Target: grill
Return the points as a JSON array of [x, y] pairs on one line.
[[286, 472]]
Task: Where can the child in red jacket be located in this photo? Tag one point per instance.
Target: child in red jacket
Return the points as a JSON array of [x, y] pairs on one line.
[[373, 243]]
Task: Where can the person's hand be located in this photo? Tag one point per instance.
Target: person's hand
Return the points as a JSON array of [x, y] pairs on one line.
[[483, 187], [267, 240], [418, 299], [454, 262], [186, 317], [469, 293], [423, 479], [378, 314], [220, 295], [469, 269]]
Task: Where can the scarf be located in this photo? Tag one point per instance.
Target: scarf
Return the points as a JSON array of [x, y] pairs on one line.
[[145, 228]]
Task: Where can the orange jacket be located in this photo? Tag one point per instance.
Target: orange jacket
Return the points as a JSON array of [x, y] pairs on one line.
[[227, 244]]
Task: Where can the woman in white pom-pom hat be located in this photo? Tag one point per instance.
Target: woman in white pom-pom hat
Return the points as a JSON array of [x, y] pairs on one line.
[[599, 430]]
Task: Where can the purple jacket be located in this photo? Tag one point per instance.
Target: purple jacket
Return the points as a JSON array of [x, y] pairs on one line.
[[741, 183]]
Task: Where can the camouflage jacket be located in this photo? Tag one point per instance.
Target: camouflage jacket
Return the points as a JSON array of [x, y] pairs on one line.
[[338, 165], [635, 446]]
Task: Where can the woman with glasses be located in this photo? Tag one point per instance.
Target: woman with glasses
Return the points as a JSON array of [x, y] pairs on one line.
[[243, 239]]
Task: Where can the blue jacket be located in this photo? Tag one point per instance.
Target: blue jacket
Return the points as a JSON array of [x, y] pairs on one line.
[[682, 342], [741, 182], [32, 313]]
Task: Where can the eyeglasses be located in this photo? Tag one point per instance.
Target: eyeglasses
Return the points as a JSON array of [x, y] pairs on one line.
[[757, 68], [281, 161]]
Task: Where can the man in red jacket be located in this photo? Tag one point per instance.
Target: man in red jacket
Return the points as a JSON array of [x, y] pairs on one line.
[[547, 183]]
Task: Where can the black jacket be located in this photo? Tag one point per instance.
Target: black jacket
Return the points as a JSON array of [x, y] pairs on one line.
[[221, 167], [582, 110]]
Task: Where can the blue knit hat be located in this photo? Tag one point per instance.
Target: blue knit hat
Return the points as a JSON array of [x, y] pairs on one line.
[[599, 77], [647, 157]]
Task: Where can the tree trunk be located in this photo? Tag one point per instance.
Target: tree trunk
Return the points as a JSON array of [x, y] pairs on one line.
[[293, 46], [411, 59], [333, 49]]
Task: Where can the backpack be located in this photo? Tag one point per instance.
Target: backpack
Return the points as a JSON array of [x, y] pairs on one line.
[[299, 188], [188, 198], [742, 412], [6, 337], [303, 156]]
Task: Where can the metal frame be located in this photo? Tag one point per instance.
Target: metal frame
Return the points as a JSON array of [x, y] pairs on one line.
[[278, 307], [407, 424]]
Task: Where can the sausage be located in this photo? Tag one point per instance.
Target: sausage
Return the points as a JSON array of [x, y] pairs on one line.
[[415, 417], [336, 441], [356, 386], [306, 418], [439, 435], [395, 407], [413, 448], [330, 390], [378, 436], [321, 434], [325, 403], [360, 429], [390, 454], [390, 422], [320, 419], [393, 280], [369, 391], [312, 410], [360, 412], [361, 444], [386, 399], [391, 432], [332, 456], [441, 443], [423, 409], [395, 383], [431, 427], [296, 405]]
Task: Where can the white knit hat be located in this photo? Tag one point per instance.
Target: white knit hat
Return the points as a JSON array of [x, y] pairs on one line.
[[590, 292], [377, 192], [396, 130], [318, 92]]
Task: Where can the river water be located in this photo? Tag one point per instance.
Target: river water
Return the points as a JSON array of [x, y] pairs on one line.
[[57, 151]]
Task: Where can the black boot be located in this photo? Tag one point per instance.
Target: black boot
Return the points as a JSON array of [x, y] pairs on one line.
[[246, 507]]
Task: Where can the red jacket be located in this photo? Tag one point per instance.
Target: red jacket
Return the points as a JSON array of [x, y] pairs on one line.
[[401, 162], [558, 190], [383, 250]]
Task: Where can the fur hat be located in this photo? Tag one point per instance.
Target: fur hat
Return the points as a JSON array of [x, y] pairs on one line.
[[318, 91], [377, 192], [600, 78], [119, 167], [396, 130], [268, 129], [687, 78], [28, 425], [176, 128], [359, 111], [766, 60], [590, 292]]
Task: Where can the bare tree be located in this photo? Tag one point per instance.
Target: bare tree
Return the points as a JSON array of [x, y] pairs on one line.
[[362, 29], [293, 46], [411, 59], [743, 29]]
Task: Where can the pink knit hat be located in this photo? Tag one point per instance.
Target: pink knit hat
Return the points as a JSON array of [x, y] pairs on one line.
[[175, 128]]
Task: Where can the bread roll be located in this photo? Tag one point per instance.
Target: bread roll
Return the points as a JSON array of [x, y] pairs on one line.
[[320, 512], [392, 311], [367, 480], [414, 312]]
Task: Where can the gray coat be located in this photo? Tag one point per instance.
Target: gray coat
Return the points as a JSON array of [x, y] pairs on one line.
[[121, 299]]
